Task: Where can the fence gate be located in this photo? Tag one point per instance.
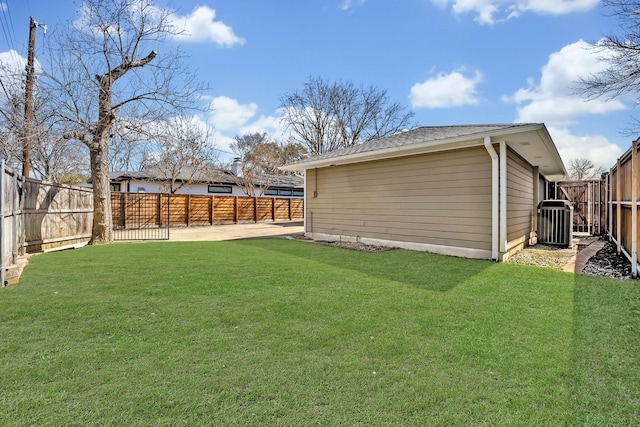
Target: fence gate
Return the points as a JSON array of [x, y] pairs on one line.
[[588, 202], [140, 216]]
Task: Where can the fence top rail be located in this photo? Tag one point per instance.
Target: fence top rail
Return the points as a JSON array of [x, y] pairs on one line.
[[626, 156], [55, 184]]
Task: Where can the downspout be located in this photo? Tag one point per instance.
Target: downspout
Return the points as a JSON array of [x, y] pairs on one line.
[[304, 203], [495, 191], [503, 198]]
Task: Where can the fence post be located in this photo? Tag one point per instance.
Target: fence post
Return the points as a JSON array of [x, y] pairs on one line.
[[619, 208], [273, 209], [235, 209], [255, 209], [159, 209], [211, 210], [23, 201], [610, 204], [188, 198], [634, 207], [125, 204], [14, 236]]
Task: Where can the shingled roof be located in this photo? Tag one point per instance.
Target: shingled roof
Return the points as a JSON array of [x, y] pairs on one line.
[[210, 176], [530, 140]]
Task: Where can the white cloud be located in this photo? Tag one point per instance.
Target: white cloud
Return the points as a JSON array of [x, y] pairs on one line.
[[554, 99], [350, 4], [597, 148], [231, 118], [229, 115], [446, 90], [12, 63], [12, 72], [269, 124], [201, 26], [489, 12]]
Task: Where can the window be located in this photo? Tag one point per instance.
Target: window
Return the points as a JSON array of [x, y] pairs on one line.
[[284, 192], [115, 186], [224, 189]]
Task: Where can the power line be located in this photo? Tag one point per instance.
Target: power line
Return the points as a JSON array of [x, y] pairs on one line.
[[7, 26]]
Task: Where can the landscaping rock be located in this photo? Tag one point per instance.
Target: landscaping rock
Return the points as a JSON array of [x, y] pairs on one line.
[[608, 263]]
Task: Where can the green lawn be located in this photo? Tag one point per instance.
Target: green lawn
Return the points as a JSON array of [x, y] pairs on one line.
[[277, 332]]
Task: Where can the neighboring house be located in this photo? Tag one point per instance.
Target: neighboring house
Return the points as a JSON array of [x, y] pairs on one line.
[[469, 191], [218, 182]]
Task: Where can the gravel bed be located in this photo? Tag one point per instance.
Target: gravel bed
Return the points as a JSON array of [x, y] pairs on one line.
[[544, 256], [357, 246], [608, 263], [605, 263]]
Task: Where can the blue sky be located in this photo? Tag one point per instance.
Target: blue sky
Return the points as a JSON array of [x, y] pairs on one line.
[[448, 61]]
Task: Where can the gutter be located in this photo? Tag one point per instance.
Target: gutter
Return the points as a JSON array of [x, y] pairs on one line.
[[495, 201], [463, 141]]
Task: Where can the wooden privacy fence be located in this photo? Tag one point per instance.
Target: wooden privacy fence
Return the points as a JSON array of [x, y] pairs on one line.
[[191, 209], [622, 182], [39, 216]]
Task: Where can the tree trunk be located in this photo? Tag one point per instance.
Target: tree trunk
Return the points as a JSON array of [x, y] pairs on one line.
[[102, 231]]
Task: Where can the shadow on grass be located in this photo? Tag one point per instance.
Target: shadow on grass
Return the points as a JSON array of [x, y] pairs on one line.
[[420, 269], [605, 366]]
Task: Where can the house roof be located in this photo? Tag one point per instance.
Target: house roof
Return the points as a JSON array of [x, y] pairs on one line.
[[213, 175], [530, 140], [153, 174]]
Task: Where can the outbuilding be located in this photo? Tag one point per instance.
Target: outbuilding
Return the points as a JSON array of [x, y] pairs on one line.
[[468, 191]]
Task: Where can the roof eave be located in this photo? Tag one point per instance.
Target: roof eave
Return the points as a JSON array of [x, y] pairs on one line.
[[446, 144], [557, 170]]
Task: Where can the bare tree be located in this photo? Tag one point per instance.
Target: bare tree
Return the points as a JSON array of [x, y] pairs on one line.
[[11, 113], [105, 67], [52, 158], [58, 160], [621, 53], [128, 147], [180, 153], [583, 169], [260, 158], [326, 116]]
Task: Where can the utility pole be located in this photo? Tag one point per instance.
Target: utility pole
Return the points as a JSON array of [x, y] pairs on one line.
[[28, 93]]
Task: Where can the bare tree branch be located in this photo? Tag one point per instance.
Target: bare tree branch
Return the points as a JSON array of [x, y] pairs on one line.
[[260, 159], [326, 116]]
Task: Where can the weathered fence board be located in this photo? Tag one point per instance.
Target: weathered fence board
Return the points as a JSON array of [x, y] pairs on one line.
[[623, 218], [39, 216], [55, 215]]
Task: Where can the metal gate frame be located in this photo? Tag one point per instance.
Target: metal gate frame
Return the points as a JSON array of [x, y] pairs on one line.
[[140, 216]]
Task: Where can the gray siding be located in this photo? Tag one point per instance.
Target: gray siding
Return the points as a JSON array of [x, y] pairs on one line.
[[438, 198], [520, 199]]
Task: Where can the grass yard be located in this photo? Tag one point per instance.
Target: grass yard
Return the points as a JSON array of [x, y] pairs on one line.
[[277, 332]]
